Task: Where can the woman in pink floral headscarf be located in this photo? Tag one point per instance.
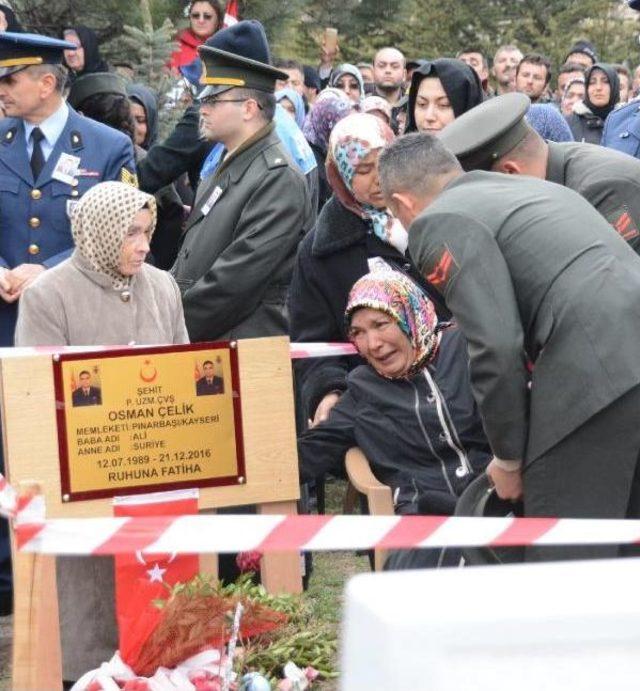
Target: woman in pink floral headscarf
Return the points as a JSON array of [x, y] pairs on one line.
[[410, 408]]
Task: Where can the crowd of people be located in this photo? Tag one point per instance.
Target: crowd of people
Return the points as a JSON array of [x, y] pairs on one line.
[[471, 229]]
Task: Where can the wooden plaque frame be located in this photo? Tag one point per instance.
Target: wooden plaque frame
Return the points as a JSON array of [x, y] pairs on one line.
[[27, 403]]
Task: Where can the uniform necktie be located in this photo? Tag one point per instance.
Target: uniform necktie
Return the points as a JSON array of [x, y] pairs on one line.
[[37, 157]]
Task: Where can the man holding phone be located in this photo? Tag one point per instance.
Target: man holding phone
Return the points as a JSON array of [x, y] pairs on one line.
[[329, 50]]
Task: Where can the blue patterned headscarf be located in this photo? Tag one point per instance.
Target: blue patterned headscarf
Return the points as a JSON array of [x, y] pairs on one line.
[[398, 296], [351, 141]]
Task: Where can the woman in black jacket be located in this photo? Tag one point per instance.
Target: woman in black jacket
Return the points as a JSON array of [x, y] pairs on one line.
[[410, 408], [601, 96], [352, 233]]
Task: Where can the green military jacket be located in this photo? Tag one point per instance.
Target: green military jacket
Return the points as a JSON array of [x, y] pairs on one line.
[[535, 277], [241, 239], [607, 179]]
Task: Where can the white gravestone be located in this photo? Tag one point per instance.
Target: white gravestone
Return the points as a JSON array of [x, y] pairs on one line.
[[569, 626]]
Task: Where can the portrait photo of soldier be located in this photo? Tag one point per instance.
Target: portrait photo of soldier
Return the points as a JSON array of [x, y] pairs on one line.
[[209, 383], [86, 394]]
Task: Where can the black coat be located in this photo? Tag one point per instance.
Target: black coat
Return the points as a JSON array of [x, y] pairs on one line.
[[330, 260], [324, 188], [182, 151], [170, 221], [585, 126], [423, 436]]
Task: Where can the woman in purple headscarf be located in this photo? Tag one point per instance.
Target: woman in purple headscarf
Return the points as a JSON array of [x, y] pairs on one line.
[[330, 107]]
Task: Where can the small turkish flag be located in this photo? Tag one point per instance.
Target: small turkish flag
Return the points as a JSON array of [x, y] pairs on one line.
[[142, 578], [231, 14]]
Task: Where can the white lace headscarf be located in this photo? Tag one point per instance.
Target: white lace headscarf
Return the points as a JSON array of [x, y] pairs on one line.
[[100, 222]]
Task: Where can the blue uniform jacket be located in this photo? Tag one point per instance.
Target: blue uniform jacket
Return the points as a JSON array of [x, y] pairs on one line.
[[622, 129], [34, 221]]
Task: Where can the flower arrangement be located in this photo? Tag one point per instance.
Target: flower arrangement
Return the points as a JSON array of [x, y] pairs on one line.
[[203, 643]]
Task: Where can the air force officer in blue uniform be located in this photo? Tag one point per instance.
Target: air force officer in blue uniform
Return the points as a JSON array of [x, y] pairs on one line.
[[49, 156]]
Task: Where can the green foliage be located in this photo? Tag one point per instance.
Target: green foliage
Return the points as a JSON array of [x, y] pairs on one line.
[[420, 28], [302, 639], [546, 26], [148, 49], [105, 17], [424, 28]]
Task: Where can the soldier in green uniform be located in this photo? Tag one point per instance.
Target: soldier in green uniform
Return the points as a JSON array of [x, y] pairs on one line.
[[242, 236], [495, 136], [547, 298]]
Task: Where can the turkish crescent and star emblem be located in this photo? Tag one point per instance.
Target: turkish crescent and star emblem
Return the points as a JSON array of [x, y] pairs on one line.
[[440, 273], [156, 574], [148, 372]]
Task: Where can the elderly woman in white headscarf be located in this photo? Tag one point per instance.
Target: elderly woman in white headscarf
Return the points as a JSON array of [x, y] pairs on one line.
[[105, 294]]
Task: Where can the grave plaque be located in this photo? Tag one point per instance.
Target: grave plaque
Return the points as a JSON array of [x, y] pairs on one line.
[[150, 419]]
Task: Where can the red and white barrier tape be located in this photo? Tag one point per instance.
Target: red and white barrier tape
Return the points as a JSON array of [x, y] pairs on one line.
[[229, 533], [22, 509], [298, 351], [264, 533]]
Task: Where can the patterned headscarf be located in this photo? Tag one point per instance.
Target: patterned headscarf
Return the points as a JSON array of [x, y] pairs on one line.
[[351, 141], [370, 103], [330, 107], [99, 225], [398, 296], [347, 68]]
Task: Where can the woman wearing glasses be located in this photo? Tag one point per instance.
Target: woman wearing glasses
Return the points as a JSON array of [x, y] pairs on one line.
[[205, 18]]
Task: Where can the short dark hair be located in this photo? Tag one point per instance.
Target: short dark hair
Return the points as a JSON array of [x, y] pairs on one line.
[[207, 362], [536, 59], [266, 101], [217, 8], [622, 69], [286, 64], [113, 110], [569, 67], [412, 161], [474, 49], [84, 371]]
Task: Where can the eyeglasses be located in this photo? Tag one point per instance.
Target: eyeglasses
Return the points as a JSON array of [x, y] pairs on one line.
[[201, 15], [212, 100]]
